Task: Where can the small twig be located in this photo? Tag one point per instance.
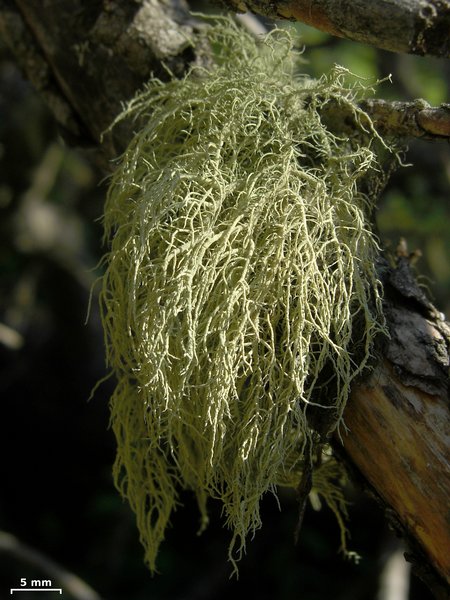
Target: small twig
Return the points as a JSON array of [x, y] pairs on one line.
[[251, 23], [410, 119], [394, 579], [10, 338], [402, 120], [303, 489], [71, 583]]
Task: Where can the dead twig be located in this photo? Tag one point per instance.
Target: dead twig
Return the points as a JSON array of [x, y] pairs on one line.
[[71, 583], [410, 119]]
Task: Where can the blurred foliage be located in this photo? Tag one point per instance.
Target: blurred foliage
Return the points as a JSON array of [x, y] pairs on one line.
[[57, 493]]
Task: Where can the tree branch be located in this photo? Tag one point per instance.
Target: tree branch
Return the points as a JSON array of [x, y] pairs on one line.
[[401, 120], [110, 53], [412, 26], [70, 583], [410, 119], [398, 422]]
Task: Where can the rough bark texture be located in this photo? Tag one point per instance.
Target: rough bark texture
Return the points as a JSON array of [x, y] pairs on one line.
[[88, 58], [399, 423], [410, 119], [401, 120], [413, 26]]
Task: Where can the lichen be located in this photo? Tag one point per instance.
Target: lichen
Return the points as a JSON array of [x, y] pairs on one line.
[[241, 257]]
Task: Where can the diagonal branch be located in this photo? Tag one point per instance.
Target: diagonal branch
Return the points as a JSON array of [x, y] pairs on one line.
[[410, 119], [412, 26], [394, 119], [73, 585]]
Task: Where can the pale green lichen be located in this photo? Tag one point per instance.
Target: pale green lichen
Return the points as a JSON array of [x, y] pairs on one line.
[[241, 257]]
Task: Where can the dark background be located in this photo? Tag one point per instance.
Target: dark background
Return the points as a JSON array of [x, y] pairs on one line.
[[56, 449]]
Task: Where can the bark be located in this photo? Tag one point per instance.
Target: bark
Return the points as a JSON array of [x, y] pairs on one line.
[[87, 59], [410, 119], [401, 120], [398, 422], [413, 26]]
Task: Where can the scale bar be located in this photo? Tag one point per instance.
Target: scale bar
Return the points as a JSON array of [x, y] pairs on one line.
[[34, 589]]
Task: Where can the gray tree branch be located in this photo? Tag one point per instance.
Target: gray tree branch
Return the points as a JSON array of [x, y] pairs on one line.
[[86, 61], [410, 119], [412, 26]]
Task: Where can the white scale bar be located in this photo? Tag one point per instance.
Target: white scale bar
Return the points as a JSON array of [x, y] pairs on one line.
[[12, 590]]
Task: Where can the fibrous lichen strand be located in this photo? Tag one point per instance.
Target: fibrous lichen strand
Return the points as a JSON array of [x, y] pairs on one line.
[[241, 255]]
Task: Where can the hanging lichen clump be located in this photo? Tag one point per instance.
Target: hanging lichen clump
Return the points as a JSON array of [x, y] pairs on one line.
[[241, 258]]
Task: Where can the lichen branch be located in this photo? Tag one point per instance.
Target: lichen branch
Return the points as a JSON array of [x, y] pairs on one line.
[[241, 297]]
